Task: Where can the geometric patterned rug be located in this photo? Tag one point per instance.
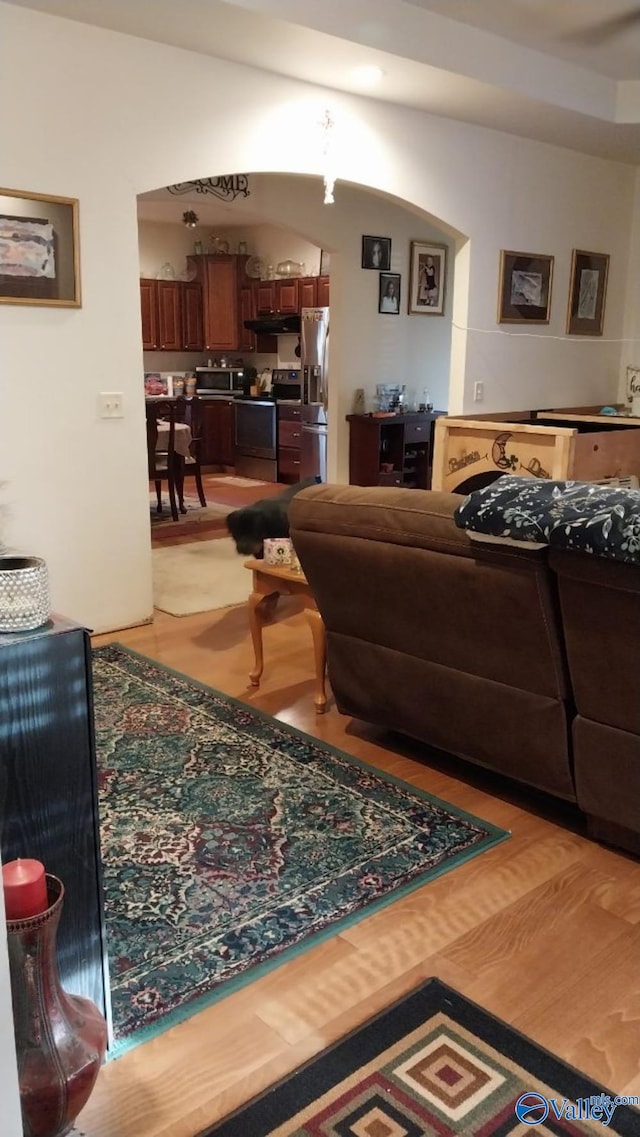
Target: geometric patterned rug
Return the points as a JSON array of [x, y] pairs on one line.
[[231, 841], [433, 1065]]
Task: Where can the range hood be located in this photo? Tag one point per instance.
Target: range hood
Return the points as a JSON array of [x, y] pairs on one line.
[[273, 324]]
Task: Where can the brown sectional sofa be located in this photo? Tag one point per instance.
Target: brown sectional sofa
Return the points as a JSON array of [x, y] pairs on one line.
[[481, 650]]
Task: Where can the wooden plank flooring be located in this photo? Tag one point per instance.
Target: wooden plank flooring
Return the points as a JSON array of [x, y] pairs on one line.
[[543, 930]]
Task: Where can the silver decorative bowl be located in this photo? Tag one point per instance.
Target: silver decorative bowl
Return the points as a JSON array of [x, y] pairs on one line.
[[24, 594]]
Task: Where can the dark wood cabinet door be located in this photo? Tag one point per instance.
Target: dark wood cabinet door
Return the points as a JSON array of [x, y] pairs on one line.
[[287, 300], [308, 292], [323, 292], [265, 296], [169, 315], [149, 313], [220, 307], [192, 330], [49, 787], [218, 440], [247, 338]]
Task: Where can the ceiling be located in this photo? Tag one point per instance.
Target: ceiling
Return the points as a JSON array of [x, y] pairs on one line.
[[531, 67]]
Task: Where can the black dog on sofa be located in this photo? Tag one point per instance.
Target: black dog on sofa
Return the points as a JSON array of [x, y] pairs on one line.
[[265, 518]]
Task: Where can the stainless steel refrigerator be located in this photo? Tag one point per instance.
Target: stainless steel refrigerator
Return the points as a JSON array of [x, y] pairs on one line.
[[314, 365]]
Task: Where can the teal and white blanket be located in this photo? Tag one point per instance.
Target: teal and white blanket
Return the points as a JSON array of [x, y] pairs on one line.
[[590, 518]]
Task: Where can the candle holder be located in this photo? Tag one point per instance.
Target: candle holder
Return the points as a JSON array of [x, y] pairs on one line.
[[61, 1039]]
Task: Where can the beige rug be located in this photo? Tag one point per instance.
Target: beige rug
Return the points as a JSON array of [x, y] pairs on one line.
[[212, 511], [199, 577]]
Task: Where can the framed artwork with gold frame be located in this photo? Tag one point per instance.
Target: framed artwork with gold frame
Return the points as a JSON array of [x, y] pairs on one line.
[[39, 250]]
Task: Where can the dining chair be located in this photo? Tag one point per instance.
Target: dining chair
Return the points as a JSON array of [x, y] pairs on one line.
[[161, 457], [189, 409]]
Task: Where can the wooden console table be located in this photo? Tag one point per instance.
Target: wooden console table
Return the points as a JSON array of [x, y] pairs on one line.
[[269, 582]]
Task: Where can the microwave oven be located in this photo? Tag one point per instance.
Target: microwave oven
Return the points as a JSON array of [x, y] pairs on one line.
[[221, 380]]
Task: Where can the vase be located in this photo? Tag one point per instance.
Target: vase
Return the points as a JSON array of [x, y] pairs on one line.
[[24, 593], [61, 1039]]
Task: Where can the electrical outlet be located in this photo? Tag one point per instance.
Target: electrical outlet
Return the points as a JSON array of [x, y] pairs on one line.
[[478, 392], [110, 404]]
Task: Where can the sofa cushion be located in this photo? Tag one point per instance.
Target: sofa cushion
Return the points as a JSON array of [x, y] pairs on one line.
[[600, 520]]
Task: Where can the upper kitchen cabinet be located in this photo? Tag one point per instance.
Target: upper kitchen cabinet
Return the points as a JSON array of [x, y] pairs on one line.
[[192, 329], [149, 312], [308, 292], [221, 275], [287, 297], [171, 313], [265, 296], [323, 292]]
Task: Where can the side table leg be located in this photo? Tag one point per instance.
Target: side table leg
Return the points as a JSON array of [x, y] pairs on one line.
[[261, 608], [314, 620], [255, 627]]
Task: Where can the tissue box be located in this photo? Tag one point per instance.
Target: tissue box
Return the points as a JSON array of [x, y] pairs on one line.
[[278, 551]]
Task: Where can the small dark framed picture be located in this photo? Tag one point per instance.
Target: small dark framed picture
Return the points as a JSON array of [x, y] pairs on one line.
[[389, 297], [587, 293], [376, 253], [524, 293]]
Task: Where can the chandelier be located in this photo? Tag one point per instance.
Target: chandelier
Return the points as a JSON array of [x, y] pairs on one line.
[[190, 219]]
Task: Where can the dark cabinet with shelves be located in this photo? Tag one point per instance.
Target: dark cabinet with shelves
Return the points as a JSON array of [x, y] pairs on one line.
[[49, 791], [218, 429], [392, 451]]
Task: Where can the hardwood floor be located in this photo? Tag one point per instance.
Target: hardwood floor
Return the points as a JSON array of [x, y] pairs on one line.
[[543, 930]]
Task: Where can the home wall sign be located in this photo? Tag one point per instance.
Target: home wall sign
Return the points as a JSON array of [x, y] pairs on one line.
[[227, 188]]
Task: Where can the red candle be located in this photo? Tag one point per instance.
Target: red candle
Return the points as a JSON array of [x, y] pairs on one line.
[[25, 889]]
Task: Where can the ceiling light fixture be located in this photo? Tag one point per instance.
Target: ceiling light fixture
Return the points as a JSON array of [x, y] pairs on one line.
[[369, 75], [190, 219], [327, 125]]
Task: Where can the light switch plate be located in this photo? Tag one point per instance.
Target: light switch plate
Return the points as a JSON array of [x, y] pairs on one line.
[[111, 404], [478, 392]]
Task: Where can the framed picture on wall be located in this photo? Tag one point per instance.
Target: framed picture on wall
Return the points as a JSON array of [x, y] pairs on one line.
[[587, 293], [427, 279], [524, 292], [376, 253], [39, 255], [389, 293]]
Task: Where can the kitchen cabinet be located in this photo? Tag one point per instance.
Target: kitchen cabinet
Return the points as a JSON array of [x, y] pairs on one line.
[[287, 299], [149, 313], [247, 312], [265, 294], [323, 292], [192, 329], [222, 277], [289, 296], [289, 440], [392, 451], [49, 783], [171, 313], [218, 432], [308, 292]]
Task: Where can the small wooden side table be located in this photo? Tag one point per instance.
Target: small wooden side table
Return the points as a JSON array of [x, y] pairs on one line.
[[269, 582]]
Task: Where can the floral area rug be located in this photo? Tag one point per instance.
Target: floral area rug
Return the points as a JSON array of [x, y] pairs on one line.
[[434, 1065], [230, 841]]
